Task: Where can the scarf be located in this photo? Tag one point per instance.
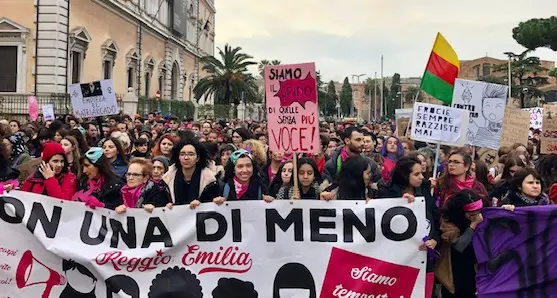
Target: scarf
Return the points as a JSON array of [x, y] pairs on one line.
[[130, 195], [18, 145], [270, 173], [240, 188], [467, 183], [180, 186], [321, 165], [344, 154], [392, 156], [94, 186]]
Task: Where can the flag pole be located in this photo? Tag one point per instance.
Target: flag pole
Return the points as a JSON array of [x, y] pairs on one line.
[[382, 84]]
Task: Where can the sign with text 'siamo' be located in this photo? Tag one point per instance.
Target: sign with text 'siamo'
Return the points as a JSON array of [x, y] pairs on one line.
[[93, 99], [292, 113], [439, 124], [315, 249]]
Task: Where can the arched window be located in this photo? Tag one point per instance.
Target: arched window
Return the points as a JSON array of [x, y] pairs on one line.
[[175, 81], [109, 52], [79, 43], [162, 70]]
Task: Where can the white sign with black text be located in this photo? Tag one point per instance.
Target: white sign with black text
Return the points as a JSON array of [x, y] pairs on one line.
[[439, 124], [93, 99]]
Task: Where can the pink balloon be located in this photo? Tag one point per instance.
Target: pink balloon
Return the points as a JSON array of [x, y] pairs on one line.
[[33, 107]]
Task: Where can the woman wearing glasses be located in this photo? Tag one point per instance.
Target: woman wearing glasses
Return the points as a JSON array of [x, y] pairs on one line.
[[99, 186], [142, 192], [457, 177], [189, 179]]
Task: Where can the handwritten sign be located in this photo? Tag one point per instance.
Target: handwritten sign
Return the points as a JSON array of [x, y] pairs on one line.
[[516, 127], [93, 99], [536, 117], [48, 112], [439, 124], [291, 92], [549, 134]]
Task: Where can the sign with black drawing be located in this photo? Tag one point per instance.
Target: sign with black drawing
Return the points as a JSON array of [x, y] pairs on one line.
[[486, 103], [439, 124], [93, 99]]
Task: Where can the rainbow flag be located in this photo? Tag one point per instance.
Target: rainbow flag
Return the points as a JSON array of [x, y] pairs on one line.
[[441, 71]]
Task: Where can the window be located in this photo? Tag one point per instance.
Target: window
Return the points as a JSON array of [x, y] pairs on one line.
[[79, 43], [477, 71], [175, 81], [8, 71], [132, 63], [486, 69], [107, 70], [109, 53], [13, 53], [149, 66], [147, 84], [131, 73]]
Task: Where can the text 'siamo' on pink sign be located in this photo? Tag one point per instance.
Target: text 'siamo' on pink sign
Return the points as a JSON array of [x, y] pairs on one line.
[[292, 113]]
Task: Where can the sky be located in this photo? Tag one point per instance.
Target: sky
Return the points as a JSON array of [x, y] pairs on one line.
[[348, 37]]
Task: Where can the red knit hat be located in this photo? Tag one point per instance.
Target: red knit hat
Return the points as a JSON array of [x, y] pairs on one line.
[[52, 148]]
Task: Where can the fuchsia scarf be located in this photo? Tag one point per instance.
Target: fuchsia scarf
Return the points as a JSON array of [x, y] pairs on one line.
[[94, 185], [130, 195], [467, 183], [240, 188]]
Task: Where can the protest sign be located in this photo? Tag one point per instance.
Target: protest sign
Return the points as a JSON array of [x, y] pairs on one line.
[[516, 127], [292, 114], [48, 112], [93, 99], [402, 119], [549, 134], [536, 117], [32, 107], [253, 249], [488, 156], [486, 103], [439, 124], [516, 252]]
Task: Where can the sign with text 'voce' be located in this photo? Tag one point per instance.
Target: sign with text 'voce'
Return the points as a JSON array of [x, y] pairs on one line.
[[439, 124], [93, 99], [50, 248], [516, 253], [292, 113]]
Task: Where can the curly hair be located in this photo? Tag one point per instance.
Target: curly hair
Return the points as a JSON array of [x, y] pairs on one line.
[[175, 282], [200, 150], [257, 150]]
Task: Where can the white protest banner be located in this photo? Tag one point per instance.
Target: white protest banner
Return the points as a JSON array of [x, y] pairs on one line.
[[48, 112], [486, 103], [439, 124], [52, 248], [93, 99], [292, 114], [536, 117]]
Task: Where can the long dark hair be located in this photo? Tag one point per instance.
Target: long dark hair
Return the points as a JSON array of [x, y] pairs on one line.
[[445, 177], [81, 141], [276, 184], [454, 209], [482, 172], [199, 150], [308, 161], [351, 184], [102, 164], [512, 160], [121, 153], [402, 171]]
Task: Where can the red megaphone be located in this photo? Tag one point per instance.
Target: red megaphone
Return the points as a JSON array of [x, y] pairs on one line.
[[26, 276]]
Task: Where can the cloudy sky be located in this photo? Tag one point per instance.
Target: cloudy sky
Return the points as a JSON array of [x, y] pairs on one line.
[[346, 37]]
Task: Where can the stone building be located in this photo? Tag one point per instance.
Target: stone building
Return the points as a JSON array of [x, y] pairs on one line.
[[148, 45]]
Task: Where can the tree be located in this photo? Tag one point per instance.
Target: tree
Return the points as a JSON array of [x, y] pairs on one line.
[[553, 73], [525, 78], [396, 95], [410, 94], [227, 79], [265, 62], [346, 100], [327, 103], [537, 33]]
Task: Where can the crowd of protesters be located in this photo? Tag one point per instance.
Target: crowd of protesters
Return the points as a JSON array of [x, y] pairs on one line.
[[153, 162]]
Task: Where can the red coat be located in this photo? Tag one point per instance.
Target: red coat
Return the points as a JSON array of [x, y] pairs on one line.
[[62, 187]]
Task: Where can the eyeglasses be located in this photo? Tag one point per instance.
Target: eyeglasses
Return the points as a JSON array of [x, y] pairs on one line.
[[135, 175], [188, 154], [455, 162]]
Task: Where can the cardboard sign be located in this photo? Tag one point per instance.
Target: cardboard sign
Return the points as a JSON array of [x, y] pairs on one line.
[[516, 127], [536, 117], [403, 118], [93, 99], [439, 124], [292, 114], [549, 135]]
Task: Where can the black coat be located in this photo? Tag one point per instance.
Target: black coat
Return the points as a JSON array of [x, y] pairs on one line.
[[256, 184], [155, 193], [390, 190], [110, 193]]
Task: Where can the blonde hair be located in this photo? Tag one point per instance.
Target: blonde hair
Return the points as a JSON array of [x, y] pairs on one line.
[[257, 150], [146, 165]]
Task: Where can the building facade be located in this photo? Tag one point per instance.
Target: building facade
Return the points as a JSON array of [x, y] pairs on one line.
[[146, 45]]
